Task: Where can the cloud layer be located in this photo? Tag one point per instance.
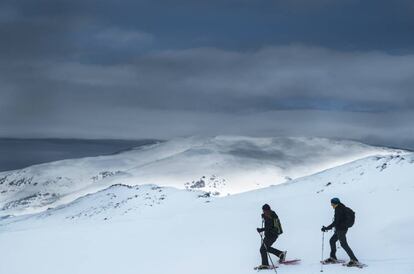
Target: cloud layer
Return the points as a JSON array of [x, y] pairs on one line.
[[153, 69]]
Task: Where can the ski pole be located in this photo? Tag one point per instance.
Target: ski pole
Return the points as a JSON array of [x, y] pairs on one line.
[[267, 252], [323, 241]]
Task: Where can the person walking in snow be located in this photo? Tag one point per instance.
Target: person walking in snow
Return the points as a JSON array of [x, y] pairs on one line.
[[272, 229], [344, 218]]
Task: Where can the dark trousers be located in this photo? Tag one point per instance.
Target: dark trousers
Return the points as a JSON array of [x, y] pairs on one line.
[[341, 236], [267, 245]]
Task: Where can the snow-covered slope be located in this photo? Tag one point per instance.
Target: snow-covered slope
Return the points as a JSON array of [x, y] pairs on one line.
[[117, 202], [152, 230], [220, 165]]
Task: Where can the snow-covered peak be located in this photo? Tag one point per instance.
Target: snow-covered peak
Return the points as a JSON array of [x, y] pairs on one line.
[[221, 165]]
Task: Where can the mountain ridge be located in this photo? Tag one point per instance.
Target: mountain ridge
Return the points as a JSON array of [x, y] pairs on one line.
[[220, 165]]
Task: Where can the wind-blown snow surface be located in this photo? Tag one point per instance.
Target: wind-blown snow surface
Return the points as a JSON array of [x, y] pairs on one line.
[[220, 165], [148, 229]]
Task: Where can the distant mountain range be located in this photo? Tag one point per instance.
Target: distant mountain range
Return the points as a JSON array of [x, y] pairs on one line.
[[219, 166]]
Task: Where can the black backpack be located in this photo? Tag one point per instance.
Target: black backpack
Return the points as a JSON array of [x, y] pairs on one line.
[[277, 225], [350, 217]]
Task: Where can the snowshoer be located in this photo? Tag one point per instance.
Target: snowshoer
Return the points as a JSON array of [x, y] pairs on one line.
[[344, 219], [272, 229]]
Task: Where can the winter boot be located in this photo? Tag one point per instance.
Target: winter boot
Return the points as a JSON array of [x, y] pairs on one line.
[[282, 256], [330, 261], [352, 263]]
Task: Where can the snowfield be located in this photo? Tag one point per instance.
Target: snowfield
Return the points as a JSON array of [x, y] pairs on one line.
[[153, 230], [220, 165]]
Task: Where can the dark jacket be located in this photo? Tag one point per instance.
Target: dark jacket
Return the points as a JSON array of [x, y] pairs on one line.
[[272, 227], [340, 221]]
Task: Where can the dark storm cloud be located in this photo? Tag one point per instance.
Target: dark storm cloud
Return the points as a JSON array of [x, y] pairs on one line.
[[284, 90], [160, 69], [293, 77], [70, 29]]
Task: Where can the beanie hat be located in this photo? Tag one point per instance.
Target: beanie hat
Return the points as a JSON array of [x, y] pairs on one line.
[[335, 201], [266, 207]]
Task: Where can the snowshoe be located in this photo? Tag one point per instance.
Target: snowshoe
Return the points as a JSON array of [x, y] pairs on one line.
[[353, 263], [290, 262], [264, 267], [332, 261]]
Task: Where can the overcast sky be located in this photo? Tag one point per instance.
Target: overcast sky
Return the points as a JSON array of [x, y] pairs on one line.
[[161, 69]]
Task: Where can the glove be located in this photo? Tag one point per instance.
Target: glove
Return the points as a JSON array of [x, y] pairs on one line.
[[260, 230], [324, 229]]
